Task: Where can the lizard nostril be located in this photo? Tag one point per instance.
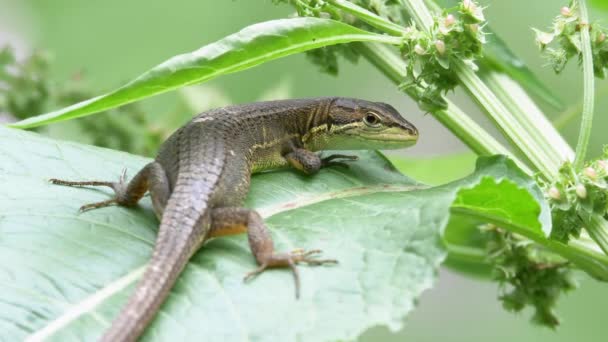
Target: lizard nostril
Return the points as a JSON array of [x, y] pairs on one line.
[[412, 130]]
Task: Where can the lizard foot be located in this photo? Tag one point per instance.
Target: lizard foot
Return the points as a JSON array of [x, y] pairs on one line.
[[290, 260], [341, 160], [119, 188]]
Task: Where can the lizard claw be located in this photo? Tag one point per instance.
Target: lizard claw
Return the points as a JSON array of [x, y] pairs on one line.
[[308, 257], [338, 160], [290, 260]]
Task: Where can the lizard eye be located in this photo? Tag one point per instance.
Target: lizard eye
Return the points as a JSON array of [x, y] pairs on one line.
[[371, 119]]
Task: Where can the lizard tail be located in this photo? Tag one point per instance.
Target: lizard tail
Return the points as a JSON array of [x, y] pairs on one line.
[[180, 234]]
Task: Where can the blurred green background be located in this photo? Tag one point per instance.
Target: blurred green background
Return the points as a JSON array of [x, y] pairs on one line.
[[109, 42]]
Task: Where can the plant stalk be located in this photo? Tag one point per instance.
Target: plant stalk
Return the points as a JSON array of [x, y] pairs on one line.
[[588, 88], [597, 229], [369, 17], [529, 116]]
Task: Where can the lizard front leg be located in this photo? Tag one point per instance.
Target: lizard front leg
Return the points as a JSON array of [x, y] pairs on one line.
[[310, 162], [152, 177], [234, 220]]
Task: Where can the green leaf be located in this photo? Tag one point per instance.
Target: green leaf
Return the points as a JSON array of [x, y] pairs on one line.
[[505, 196], [254, 45], [67, 274]]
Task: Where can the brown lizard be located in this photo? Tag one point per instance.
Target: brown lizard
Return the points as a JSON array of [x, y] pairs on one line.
[[200, 178]]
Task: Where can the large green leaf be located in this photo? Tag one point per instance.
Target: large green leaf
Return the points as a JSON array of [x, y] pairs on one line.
[[505, 196], [253, 45], [64, 275]]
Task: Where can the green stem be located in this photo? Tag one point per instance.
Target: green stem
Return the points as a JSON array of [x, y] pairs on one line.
[[511, 128], [596, 227], [369, 17], [419, 13], [529, 116], [588, 88]]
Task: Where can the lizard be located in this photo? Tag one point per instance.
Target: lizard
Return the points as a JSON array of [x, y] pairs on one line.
[[201, 176]]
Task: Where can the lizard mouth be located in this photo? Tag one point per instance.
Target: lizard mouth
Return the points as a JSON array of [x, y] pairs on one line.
[[393, 135]]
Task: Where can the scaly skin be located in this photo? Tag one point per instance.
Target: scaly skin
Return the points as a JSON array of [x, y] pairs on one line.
[[201, 176]]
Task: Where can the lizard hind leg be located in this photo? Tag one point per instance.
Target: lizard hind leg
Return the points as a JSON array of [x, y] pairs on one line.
[[152, 177], [230, 220]]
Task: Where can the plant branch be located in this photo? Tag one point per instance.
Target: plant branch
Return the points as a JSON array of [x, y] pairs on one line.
[[524, 110], [369, 17], [598, 231], [588, 88]]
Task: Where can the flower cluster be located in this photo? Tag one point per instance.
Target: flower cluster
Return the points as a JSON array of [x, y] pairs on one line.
[[27, 90], [566, 31], [575, 196], [528, 277], [24, 86], [457, 36], [429, 55]]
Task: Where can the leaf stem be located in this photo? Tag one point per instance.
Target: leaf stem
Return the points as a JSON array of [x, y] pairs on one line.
[[369, 17], [597, 229], [588, 88]]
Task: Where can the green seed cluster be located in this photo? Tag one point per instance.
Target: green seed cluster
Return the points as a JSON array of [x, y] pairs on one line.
[[566, 33], [24, 86], [453, 36], [528, 277], [429, 55], [26, 90], [575, 195]]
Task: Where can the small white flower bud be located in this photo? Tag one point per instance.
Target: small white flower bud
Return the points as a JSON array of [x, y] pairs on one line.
[[543, 38], [469, 5], [554, 193], [590, 173], [603, 165], [566, 11], [449, 20], [474, 28], [581, 191], [601, 37], [419, 49], [440, 46]]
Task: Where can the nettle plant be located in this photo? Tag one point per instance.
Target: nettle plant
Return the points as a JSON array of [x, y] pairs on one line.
[[533, 210]]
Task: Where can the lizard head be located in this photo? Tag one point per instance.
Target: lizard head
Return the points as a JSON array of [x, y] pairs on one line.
[[360, 124]]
